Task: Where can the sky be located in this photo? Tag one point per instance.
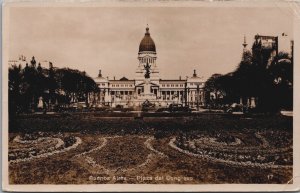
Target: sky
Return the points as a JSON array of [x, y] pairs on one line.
[[208, 39]]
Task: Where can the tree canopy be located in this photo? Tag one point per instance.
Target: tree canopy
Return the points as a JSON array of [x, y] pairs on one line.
[[270, 83], [54, 85]]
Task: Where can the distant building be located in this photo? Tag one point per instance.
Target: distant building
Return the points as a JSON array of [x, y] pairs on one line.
[[266, 48], [21, 61], [148, 85]]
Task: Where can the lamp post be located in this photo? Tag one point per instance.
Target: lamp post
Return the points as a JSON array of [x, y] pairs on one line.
[[198, 96], [185, 94]]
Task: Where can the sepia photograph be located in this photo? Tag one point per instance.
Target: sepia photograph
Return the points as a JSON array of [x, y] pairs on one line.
[[143, 93]]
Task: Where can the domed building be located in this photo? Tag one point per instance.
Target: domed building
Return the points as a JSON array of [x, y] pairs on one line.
[[148, 85]]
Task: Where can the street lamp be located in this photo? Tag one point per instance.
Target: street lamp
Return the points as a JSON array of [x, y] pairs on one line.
[[197, 96], [185, 93]]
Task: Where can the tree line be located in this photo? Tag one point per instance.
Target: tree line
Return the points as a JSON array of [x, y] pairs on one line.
[[33, 84], [260, 76]]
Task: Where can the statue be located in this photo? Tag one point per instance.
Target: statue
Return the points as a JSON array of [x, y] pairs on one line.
[[40, 103], [147, 68]]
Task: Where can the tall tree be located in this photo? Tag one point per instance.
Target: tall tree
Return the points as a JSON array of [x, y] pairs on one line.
[[212, 89], [281, 74], [15, 87]]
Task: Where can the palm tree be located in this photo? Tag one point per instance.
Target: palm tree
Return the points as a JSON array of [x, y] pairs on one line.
[[281, 75]]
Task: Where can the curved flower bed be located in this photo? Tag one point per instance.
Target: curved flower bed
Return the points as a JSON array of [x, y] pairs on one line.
[[235, 153], [88, 161], [148, 144], [25, 150]]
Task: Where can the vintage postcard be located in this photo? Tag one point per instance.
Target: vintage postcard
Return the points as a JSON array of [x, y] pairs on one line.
[[150, 96]]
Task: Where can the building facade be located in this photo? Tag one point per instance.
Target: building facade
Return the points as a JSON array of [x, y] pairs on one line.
[[148, 85]]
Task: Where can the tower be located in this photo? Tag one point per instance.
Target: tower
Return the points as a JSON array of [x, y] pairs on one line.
[[147, 58], [244, 44], [245, 51]]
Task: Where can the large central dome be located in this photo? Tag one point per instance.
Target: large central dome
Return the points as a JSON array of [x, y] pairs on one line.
[[147, 44]]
